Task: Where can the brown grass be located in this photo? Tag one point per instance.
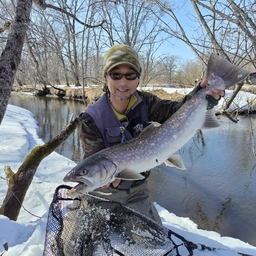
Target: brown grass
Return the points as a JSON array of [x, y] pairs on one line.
[[162, 94]]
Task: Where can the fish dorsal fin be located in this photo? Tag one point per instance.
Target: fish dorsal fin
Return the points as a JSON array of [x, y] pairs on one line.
[[128, 174], [175, 161], [230, 73], [210, 120], [148, 128]]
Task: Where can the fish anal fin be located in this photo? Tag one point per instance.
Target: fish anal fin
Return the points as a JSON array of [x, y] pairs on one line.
[[175, 161], [210, 120]]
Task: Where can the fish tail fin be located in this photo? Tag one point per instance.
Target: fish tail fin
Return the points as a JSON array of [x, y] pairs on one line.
[[228, 72], [210, 120]]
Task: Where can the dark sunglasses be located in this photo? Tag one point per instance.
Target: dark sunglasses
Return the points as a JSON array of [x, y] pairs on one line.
[[128, 76]]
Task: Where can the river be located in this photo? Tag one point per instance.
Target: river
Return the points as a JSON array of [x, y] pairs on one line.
[[217, 189]]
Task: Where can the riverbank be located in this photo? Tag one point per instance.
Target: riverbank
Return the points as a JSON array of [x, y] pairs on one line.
[[90, 94]]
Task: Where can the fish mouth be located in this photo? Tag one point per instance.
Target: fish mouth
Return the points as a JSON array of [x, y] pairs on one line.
[[82, 183], [79, 186], [80, 189], [79, 179]]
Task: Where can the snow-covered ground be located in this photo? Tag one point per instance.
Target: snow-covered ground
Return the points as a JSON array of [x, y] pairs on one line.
[[18, 136], [240, 101]]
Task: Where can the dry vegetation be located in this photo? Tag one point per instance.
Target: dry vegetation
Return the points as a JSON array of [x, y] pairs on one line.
[[162, 94], [249, 88], [92, 94]]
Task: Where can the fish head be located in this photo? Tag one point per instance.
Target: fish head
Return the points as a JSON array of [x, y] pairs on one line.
[[92, 173]]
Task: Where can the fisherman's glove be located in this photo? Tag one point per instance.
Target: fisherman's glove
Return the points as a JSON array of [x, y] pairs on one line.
[[212, 102]]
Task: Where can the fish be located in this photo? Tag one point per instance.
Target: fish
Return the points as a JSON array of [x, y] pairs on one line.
[[158, 145]]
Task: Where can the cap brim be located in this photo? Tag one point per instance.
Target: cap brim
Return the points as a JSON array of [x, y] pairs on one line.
[[123, 63]]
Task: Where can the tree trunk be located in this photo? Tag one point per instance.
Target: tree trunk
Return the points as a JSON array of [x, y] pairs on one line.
[[11, 55], [19, 182]]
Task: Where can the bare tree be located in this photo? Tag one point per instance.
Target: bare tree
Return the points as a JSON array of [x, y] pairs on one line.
[[9, 62], [11, 55], [232, 33], [170, 66], [190, 73], [220, 26], [224, 27], [91, 60], [45, 44], [134, 23]]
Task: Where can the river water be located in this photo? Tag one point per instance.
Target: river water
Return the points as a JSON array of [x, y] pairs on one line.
[[218, 188]]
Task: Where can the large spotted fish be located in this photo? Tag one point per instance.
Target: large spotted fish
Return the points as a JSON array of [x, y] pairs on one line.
[[152, 148]]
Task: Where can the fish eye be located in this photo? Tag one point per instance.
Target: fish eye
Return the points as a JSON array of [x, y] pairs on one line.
[[84, 171]]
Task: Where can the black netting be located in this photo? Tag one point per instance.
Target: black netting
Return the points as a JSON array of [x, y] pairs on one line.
[[106, 228]]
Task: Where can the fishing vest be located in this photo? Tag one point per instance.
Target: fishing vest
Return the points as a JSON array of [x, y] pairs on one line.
[[114, 131]]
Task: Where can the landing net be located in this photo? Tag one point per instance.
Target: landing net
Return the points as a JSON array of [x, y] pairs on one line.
[[107, 228]]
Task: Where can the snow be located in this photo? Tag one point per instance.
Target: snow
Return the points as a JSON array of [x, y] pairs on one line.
[[18, 136], [240, 101]]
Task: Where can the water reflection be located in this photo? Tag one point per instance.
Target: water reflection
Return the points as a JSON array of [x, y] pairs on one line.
[[217, 189], [53, 114]]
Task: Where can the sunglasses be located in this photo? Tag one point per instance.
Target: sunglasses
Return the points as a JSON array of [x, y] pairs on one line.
[[128, 76]]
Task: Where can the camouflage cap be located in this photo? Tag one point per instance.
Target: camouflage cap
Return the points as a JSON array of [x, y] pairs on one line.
[[121, 54]]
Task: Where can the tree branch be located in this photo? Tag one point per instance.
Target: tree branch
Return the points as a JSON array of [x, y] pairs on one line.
[[73, 16], [40, 3], [6, 26], [19, 182]]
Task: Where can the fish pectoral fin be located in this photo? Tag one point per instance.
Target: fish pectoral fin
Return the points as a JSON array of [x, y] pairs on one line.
[[148, 128], [127, 174], [175, 161]]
